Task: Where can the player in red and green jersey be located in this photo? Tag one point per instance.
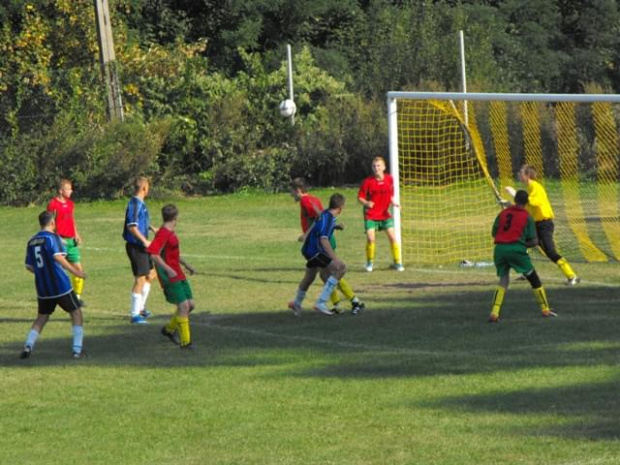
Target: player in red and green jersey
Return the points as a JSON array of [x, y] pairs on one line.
[[514, 232], [311, 209], [540, 209], [63, 209], [376, 194], [166, 253]]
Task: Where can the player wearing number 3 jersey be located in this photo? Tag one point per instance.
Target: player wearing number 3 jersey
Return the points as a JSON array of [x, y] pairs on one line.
[[514, 232]]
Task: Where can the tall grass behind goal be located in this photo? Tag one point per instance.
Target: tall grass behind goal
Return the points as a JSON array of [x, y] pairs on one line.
[[452, 154]]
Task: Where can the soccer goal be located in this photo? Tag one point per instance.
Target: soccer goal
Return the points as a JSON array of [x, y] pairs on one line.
[[452, 154]]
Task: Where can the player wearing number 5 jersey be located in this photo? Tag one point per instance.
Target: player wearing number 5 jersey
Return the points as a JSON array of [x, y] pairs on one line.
[[45, 258], [514, 232]]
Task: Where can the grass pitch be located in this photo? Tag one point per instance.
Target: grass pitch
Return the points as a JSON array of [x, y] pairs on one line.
[[419, 378]]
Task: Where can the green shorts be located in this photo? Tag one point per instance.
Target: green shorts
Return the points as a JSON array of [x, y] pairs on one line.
[[513, 256], [379, 225], [178, 292], [73, 251]]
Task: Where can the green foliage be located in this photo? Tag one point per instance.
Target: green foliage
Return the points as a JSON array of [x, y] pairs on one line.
[[201, 82]]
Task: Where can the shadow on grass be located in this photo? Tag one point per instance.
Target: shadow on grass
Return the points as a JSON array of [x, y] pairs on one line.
[[588, 410]]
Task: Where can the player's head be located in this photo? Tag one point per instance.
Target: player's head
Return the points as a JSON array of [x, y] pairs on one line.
[[141, 185], [46, 220], [298, 187], [65, 188], [169, 213], [527, 172], [336, 202], [521, 198], [378, 166]]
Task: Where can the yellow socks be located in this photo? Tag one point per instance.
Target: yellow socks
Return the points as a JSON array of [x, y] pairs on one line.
[[370, 251], [498, 299], [541, 297], [183, 325], [566, 268], [334, 298], [78, 284], [396, 252], [173, 324], [346, 289]]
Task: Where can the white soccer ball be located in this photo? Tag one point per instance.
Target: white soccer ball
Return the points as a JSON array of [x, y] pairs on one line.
[[287, 108]]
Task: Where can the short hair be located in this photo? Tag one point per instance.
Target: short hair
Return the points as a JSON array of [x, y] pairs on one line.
[[521, 197], [336, 201], [529, 171], [45, 218], [169, 212], [63, 182], [299, 183], [139, 182], [381, 159]]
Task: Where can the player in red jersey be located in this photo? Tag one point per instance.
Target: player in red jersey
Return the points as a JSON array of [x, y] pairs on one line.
[[514, 232], [376, 194], [311, 209], [166, 254], [63, 207]]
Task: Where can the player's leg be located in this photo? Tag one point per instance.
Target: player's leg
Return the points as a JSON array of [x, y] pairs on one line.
[[141, 268], [502, 266], [46, 308], [183, 324], [74, 257], [539, 293], [304, 285], [146, 289], [336, 272], [394, 246], [370, 243], [544, 230], [498, 297]]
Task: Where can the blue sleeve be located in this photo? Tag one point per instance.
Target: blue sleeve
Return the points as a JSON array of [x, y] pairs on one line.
[[131, 217]]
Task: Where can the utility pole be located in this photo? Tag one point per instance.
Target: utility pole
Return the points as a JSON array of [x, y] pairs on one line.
[[108, 60]]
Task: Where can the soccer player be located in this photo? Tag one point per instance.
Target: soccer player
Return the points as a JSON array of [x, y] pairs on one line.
[[166, 254], [540, 208], [320, 256], [514, 233], [45, 258], [311, 209], [376, 194], [136, 233], [63, 207]]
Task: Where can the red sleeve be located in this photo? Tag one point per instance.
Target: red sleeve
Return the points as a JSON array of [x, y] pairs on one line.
[[159, 242], [51, 207], [363, 192]]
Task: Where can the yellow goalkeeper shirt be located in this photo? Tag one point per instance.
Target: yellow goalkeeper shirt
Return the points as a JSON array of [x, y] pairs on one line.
[[538, 205]]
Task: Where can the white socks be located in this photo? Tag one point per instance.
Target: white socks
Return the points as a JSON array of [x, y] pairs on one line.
[[136, 304]]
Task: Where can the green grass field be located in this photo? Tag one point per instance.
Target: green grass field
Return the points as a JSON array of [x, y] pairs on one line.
[[419, 378]]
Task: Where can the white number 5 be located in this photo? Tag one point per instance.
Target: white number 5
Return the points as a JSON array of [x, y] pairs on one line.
[[37, 255]]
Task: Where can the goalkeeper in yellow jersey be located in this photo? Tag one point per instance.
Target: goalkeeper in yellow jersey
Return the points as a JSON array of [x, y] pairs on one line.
[[540, 209], [513, 232]]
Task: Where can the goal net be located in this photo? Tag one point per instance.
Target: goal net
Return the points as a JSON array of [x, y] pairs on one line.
[[452, 155]]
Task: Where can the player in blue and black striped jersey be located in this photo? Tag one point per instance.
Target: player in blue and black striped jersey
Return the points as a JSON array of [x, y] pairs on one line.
[[45, 258], [320, 256], [136, 234]]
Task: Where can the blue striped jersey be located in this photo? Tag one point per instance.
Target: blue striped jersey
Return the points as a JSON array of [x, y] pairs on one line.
[[324, 227], [137, 215], [49, 277]]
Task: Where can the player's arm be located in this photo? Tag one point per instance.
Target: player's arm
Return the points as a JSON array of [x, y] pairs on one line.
[[531, 239], [135, 232], [70, 267], [161, 263], [535, 197], [187, 266]]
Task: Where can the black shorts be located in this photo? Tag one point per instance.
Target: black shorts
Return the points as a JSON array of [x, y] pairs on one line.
[[68, 302], [141, 263], [318, 261]]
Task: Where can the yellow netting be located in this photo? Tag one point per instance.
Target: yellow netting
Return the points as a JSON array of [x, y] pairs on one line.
[[451, 171]]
